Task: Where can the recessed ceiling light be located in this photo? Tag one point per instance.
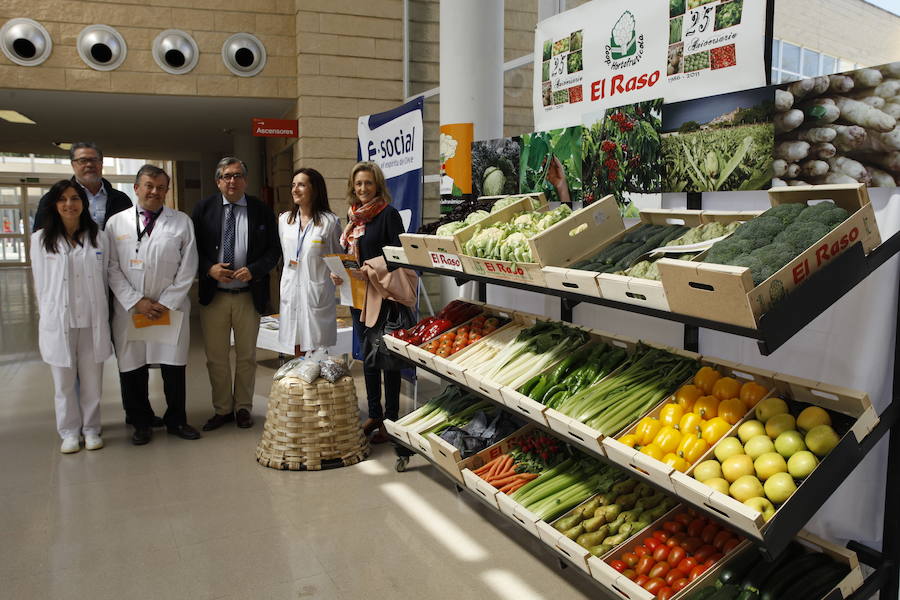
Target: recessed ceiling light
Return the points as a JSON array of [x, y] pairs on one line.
[[63, 145], [15, 117]]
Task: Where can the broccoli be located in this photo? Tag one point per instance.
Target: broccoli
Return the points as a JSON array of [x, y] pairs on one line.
[[830, 215], [773, 257], [760, 231], [786, 213], [723, 252], [754, 264], [801, 235], [812, 212]]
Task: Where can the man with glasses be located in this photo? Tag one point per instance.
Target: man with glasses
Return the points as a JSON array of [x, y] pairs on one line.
[[237, 240], [152, 263], [105, 201]]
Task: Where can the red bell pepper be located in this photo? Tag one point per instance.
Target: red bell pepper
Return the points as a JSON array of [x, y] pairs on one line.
[[437, 327]]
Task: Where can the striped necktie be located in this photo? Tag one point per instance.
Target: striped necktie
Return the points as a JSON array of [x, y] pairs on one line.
[[228, 238]]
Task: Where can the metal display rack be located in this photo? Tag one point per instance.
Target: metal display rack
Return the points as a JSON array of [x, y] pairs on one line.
[[780, 324]]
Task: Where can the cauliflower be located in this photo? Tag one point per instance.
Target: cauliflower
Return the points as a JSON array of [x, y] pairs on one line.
[[484, 242], [623, 30], [450, 228], [476, 216]]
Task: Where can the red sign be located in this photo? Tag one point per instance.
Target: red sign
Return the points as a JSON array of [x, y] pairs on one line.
[[275, 128]]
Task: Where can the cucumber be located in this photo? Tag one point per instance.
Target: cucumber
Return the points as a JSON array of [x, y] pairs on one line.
[[816, 582], [789, 574], [735, 571]]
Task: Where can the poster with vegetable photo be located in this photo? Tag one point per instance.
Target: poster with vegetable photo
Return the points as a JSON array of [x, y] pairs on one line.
[[495, 166], [623, 156], [551, 163], [719, 143], [839, 129]]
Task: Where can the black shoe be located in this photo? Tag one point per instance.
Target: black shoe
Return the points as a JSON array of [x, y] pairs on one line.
[[141, 436], [243, 418], [156, 422], [217, 421], [185, 432]]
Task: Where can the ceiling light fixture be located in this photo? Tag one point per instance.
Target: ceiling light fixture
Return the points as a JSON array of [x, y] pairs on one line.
[[15, 117]]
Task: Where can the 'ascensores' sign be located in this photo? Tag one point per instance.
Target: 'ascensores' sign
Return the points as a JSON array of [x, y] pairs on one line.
[[275, 128]]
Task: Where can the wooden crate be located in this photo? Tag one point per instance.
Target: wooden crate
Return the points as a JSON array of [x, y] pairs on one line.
[[395, 254], [476, 461], [727, 294]]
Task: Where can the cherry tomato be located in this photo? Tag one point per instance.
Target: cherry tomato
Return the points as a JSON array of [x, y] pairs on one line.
[[673, 575], [654, 584], [661, 535], [680, 584], [709, 533], [665, 593], [730, 545], [641, 551], [676, 555], [704, 552], [644, 565], [661, 553], [696, 527], [630, 558], [687, 565], [641, 580], [697, 572], [629, 573], [721, 539], [673, 526], [683, 518], [691, 544], [660, 570], [650, 543], [618, 565]]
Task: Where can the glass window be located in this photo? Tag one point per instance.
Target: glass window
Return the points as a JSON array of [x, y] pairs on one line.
[[775, 78], [776, 53], [810, 63], [790, 57], [829, 64]]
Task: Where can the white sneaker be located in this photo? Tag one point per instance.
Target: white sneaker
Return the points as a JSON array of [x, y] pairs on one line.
[[70, 445], [93, 441]]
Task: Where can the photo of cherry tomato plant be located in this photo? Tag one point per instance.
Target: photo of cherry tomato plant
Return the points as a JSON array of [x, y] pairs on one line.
[[536, 172], [623, 154]]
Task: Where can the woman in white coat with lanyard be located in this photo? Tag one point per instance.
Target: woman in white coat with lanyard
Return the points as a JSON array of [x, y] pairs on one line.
[[69, 259], [307, 315]]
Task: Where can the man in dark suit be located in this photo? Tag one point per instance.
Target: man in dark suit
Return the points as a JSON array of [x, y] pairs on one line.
[[105, 201], [237, 239]]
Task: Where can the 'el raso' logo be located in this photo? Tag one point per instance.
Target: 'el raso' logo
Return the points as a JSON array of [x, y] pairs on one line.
[[625, 47]]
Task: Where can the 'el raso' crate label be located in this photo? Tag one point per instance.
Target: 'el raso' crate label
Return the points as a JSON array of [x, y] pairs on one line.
[[824, 253], [445, 261], [502, 269]]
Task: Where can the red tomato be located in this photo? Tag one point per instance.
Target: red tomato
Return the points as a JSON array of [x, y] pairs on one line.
[[680, 584], [653, 585], [696, 527], [665, 593], [691, 544], [730, 545], [676, 555], [644, 565], [629, 573], [683, 518], [650, 543], [661, 535], [675, 540], [618, 565], [687, 565], [713, 559], [673, 575], [641, 551], [661, 553], [697, 572], [673, 526], [721, 539], [630, 558], [709, 533], [704, 552], [641, 580], [660, 570]]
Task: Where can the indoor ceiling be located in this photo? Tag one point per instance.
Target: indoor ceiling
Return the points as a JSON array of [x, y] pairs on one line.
[[131, 125]]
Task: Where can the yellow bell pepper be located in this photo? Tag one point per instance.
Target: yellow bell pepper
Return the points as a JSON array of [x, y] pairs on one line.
[[670, 415], [690, 423], [646, 430], [667, 439], [676, 462], [692, 448], [714, 429], [630, 440], [654, 451], [707, 406]]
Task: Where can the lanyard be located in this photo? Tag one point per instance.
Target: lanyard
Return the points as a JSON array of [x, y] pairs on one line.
[[146, 230], [302, 235]]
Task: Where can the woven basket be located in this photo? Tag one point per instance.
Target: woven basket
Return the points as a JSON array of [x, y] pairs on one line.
[[312, 426]]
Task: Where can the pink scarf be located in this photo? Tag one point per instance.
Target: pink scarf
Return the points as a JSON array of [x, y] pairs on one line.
[[358, 215]]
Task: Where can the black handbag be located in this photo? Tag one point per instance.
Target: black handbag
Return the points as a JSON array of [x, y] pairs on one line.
[[376, 354]]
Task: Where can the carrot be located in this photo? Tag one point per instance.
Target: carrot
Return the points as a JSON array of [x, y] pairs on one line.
[[505, 480], [494, 467], [487, 466], [505, 470], [514, 486]]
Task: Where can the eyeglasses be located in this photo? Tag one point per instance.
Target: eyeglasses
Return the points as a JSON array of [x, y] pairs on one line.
[[160, 189], [232, 176], [87, 161]]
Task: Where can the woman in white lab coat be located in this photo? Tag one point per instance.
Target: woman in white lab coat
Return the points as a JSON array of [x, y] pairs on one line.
[[307, 316], [69, 259]]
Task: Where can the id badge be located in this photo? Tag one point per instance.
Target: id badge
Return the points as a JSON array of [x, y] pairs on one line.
[[136, 264], [292, 264]]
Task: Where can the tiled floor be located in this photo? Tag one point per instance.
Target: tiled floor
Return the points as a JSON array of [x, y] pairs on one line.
[[196, 520]]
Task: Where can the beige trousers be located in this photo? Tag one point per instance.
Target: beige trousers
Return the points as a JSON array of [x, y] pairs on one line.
[[227, 313]]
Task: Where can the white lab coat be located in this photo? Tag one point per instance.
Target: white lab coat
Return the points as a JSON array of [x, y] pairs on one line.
[[307, 315], [51, 274], [169, 256]]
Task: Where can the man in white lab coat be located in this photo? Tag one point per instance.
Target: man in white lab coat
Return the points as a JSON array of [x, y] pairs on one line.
[[153, 260]]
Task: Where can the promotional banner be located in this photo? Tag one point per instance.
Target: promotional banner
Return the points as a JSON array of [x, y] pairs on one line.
[[394, 141], [614, 52], [456, 164]]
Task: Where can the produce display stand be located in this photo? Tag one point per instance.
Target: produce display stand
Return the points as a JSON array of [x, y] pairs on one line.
[[785, 319]]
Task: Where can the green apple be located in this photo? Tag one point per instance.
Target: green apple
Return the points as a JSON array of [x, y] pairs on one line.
[[708, 469], [802, 463], [779, 424], [736, 467], [769, 464], [718, 484], [789, 443], [750, 429], [746, 487], [779, 487], [769, 407], [758, 445], [728, 448], [821, 439], [761, 505], [813, 416]]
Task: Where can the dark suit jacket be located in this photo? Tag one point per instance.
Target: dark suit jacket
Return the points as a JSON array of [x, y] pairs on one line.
[[263, 247], [116, 201]]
